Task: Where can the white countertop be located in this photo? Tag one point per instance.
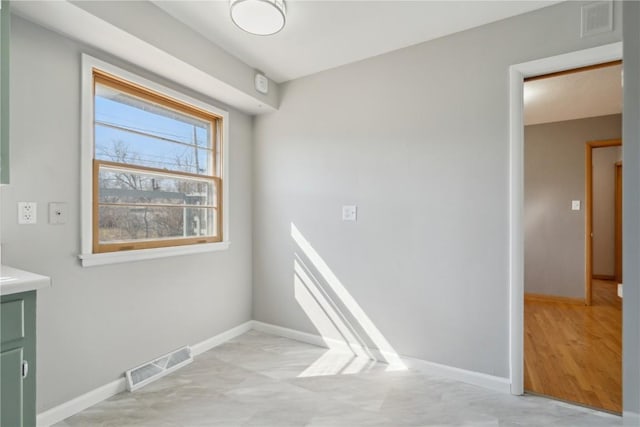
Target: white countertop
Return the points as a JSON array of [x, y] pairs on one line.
[[13, 281]]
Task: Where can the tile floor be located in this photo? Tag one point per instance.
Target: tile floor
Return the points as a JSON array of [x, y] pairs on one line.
[[263, 380]]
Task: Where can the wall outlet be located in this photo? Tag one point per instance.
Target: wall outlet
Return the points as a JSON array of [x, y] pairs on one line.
[[57, 213], [27, 212]]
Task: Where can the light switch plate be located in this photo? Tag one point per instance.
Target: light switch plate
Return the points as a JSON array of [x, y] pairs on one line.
[[349, 213], [575, 205], [57, 213]]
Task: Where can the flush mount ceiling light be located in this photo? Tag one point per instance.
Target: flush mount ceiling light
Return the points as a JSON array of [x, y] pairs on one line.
[[260, 17]]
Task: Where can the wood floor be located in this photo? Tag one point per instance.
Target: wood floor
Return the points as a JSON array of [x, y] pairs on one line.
[[574, 352]]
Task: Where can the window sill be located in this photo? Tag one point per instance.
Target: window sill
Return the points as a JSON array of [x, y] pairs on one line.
[[90, 260]]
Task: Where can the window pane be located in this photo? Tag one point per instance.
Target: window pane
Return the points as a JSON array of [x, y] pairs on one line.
[[127, 186], [127, 111], [136, 131], [155, 169], [122, 146], [134, 223]]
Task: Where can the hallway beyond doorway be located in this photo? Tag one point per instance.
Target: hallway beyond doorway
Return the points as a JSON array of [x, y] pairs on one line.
[[573, 352]]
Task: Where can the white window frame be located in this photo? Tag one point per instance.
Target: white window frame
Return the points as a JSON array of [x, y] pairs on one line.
[[87, 257]]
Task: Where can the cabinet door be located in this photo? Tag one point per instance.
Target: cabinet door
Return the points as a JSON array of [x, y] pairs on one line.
[[11, 404], [18, 346]]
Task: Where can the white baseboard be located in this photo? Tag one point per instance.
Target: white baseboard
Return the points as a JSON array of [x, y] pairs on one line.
[[290, 333], [491, 382], [318, 340], [67, 409], [221, 338], [80, 403]]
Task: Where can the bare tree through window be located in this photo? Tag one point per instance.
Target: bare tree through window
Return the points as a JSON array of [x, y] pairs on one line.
[[154, 170]]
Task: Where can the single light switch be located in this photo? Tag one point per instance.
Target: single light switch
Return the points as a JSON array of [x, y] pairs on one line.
[[349, 213], [575, 205]]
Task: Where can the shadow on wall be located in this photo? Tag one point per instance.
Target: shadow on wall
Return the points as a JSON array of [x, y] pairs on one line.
[[354, 342]]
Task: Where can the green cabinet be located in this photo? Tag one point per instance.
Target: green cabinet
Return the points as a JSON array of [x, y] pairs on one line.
[[18, 360], [5, 29]]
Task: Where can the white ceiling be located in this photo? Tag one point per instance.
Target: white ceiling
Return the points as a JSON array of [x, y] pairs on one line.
[[580, 95], [325, 34]]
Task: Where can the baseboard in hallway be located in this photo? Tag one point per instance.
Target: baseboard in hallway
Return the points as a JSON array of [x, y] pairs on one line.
[[553, 298], [604, 277]]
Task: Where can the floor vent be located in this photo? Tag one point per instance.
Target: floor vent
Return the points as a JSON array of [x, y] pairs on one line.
[[597, 18], [158, 368]]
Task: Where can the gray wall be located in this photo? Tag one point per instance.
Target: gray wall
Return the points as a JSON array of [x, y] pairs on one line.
[[631, 211], [554, 175], [419, 140], [94, 323], [604, 203], [173, 38]]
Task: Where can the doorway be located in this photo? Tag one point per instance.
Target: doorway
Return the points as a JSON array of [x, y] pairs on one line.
[[572, 318], [603, 224], [517, 74]]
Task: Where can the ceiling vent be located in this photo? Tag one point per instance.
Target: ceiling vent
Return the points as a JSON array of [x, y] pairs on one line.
[[156, 369], [597, 18]]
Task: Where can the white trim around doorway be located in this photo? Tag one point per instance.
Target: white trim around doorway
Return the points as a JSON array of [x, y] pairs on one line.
[[517, 74]]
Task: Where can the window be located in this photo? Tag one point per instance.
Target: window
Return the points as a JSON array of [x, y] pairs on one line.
[[156, 167]]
